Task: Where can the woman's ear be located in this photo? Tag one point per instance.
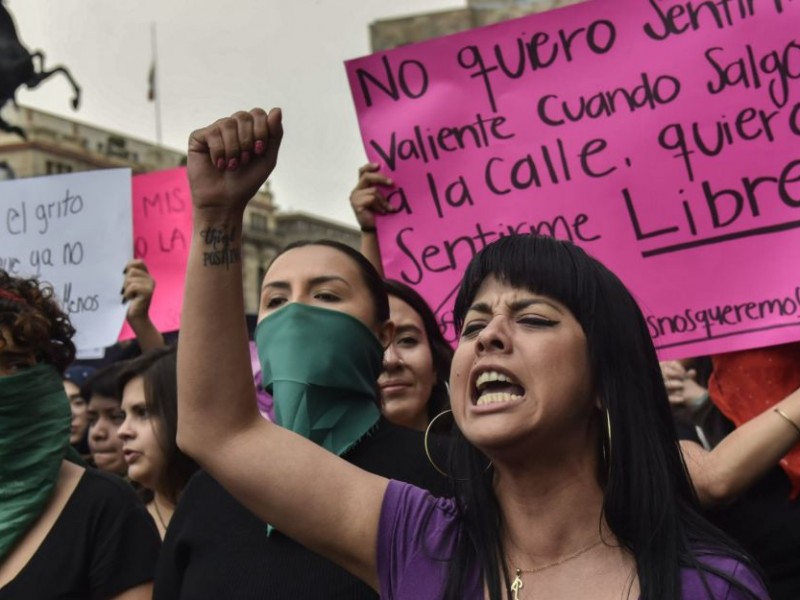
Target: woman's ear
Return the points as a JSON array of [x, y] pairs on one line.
[[386, 333]]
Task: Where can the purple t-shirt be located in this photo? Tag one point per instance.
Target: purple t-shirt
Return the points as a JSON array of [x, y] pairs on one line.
[[416, 529]]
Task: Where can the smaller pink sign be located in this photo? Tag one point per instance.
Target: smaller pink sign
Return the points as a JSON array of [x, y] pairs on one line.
[[162, 221]]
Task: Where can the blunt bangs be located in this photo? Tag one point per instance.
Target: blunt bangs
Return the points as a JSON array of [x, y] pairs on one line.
[[539, 264]]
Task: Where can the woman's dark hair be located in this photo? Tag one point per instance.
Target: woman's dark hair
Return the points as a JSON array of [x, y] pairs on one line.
[[158, 368], [103, 382], [649, 502], [441, 351], [30, 312], [371, 277]]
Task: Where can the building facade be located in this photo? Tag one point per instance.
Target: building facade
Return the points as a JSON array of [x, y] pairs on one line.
[[391, 33], [57, 145]]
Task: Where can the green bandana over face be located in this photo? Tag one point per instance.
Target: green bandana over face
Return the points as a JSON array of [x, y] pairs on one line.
[[34, 436], [321, 367]]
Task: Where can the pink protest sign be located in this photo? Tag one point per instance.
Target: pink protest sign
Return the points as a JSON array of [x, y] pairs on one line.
[[162, 225], [661, 136]]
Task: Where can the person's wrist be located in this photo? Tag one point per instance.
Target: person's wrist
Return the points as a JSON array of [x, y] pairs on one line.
[[369, 229], [138, 321], [698, 401], [787, 418], [219, 216]]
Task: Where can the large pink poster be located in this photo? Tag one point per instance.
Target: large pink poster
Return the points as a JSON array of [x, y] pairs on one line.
[[661, 136]]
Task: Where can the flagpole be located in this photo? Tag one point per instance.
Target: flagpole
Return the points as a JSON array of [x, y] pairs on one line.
[[156, 87]]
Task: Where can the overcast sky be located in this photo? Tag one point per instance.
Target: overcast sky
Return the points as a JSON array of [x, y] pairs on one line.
[[215, 58]]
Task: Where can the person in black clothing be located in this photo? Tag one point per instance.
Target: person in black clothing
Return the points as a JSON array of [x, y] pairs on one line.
[[65, 531], [735, 470], [762, 518], [214, 546], [148, 388]]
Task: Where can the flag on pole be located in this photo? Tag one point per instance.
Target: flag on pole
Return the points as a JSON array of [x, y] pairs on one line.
[[151, 82]]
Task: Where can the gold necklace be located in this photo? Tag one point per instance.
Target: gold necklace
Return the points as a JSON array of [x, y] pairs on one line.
[[517, 584], [158, 514]]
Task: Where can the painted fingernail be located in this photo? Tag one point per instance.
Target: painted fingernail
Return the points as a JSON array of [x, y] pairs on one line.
[[245, 157], [259, 147], [233, 164], [122, 291], [220, 163]]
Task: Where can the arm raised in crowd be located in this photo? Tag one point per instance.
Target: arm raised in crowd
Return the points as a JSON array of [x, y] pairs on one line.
[[367, 200], [745, 455], [306, 492], [137, 289]]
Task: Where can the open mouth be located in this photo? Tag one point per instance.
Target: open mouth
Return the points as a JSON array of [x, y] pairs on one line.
[[493, 386]]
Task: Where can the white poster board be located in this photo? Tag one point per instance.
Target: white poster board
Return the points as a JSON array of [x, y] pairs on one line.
[[75, 232]]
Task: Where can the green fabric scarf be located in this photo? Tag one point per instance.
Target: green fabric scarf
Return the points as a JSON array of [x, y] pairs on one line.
[[321, 367], [34, 437]]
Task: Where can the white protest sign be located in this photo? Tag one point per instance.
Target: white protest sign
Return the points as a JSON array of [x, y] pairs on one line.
[[75, 232]]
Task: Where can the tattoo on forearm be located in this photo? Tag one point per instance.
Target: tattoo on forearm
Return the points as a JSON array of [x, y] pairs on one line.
[[220, 247]]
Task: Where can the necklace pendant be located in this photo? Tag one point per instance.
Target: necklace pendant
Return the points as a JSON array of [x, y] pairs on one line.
[[517, 585]]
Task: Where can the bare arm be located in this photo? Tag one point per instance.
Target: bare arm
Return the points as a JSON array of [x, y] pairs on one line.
[[371, 250], [306, 492], [738, 461], [138, 289], [367, 200], [140, 592]]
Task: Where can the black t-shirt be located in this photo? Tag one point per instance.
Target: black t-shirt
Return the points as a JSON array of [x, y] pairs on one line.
[[215, 548], [763, 519], [103, 543]]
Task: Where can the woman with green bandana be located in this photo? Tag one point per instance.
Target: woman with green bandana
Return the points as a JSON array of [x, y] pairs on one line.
[[323, 325], [65, 531]]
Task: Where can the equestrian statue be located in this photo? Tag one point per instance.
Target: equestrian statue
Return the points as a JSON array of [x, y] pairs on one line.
[[19, 67]]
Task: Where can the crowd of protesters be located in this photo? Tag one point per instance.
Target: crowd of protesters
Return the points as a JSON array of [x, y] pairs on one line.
[[549, 455]]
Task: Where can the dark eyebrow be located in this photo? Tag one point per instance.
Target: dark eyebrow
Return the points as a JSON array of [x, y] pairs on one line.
[[480, 307], [315, 281], [516, 306], [327, 279], [282, 285], [407, 328]]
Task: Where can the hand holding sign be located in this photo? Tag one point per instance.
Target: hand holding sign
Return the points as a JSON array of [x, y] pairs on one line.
[[366, 199], [223, 172], [137, 290]]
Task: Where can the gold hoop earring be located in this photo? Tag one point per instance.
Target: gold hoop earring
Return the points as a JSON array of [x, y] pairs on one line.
[[427, 449], [428, 452]]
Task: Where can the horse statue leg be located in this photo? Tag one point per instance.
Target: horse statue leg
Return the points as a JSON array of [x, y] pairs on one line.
[[13, 129], [39, 76]]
